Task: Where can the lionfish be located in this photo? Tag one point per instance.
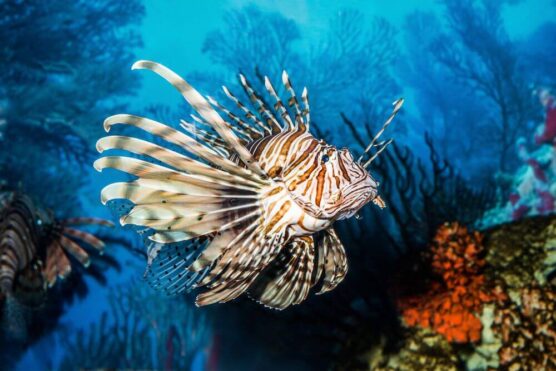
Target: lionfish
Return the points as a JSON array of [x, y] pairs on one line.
[[34, 247], [239, 205]]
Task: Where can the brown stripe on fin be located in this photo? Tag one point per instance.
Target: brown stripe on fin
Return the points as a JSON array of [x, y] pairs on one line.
[[332, 261], [87, 221], [84, 236], [263, 110], [75, 250]]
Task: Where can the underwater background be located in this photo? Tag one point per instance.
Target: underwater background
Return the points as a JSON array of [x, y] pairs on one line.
[[457, 272]]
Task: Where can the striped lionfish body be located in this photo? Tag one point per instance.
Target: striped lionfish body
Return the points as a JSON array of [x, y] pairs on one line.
[[240, 204]]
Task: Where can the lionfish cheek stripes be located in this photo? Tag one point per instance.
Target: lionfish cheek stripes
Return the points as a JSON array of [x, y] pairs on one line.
[[246, 202]]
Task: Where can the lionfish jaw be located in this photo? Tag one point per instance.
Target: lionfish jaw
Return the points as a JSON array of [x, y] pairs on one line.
[[379, 202]]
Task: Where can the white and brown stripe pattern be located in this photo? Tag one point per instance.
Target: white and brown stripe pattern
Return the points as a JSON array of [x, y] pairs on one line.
[[239, 208], [33, 245]]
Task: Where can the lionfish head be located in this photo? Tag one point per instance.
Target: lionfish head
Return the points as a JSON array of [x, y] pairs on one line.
[[334, 185], [330, 184], [355, 187]]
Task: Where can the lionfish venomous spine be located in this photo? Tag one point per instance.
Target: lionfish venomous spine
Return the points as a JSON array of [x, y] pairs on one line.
[[243, 204]]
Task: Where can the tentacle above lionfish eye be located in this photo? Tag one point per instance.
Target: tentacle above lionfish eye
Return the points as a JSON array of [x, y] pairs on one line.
[[325, 158]]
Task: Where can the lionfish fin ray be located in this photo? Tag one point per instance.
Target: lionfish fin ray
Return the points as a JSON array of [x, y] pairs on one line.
[[397, 106], [239, 267], [261, 106], [203, 107], [167, 266], [292, 102], [331, 262], [75, 250], [287, 280], [279, 105]]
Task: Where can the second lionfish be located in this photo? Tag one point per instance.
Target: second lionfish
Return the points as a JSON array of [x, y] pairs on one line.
[[240, 205]]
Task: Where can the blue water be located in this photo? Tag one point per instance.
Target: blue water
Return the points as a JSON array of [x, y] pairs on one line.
[[175, 33]]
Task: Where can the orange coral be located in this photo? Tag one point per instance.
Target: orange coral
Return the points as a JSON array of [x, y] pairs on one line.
[[450, 306]]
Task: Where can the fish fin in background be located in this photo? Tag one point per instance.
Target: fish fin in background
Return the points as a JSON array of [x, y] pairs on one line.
[[288, 279], [18, 238], [57, 264], [67, 241], [205, 210], [331, 264]]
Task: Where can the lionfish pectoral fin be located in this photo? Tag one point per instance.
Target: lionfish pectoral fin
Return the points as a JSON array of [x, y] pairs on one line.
[[205, 110], [288, 279], [331, 261], [167, 269], [57, 264], [205, 210]]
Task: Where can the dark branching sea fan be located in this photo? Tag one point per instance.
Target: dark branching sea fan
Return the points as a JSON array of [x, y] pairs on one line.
[[250, 205]]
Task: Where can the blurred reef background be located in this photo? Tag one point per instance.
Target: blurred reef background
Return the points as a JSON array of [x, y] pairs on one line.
[[459, 272]]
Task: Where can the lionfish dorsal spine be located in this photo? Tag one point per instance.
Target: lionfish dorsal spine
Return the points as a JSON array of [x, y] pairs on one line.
[[292, 102], [248, 114], [397, 105], [306, 110], [279, 105], [244, 128], [262, 108], [203, 107]]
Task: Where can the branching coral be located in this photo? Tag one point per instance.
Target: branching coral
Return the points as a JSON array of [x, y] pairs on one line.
[[420, 193], [451, 305], [481, 56], [63, 64], [142, 330]]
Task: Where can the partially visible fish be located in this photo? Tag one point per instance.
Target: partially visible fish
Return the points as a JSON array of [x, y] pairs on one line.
[[34, 248], [243, 204]]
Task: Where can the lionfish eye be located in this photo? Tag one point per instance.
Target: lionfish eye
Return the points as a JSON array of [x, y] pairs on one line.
[[325, 158]]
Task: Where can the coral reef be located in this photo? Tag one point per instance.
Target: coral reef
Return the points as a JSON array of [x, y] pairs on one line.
[[422, 350], [528, 329], [141, 330], [531, 187], [450, 306], [520, 253], [54, 50], [488, 302]]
